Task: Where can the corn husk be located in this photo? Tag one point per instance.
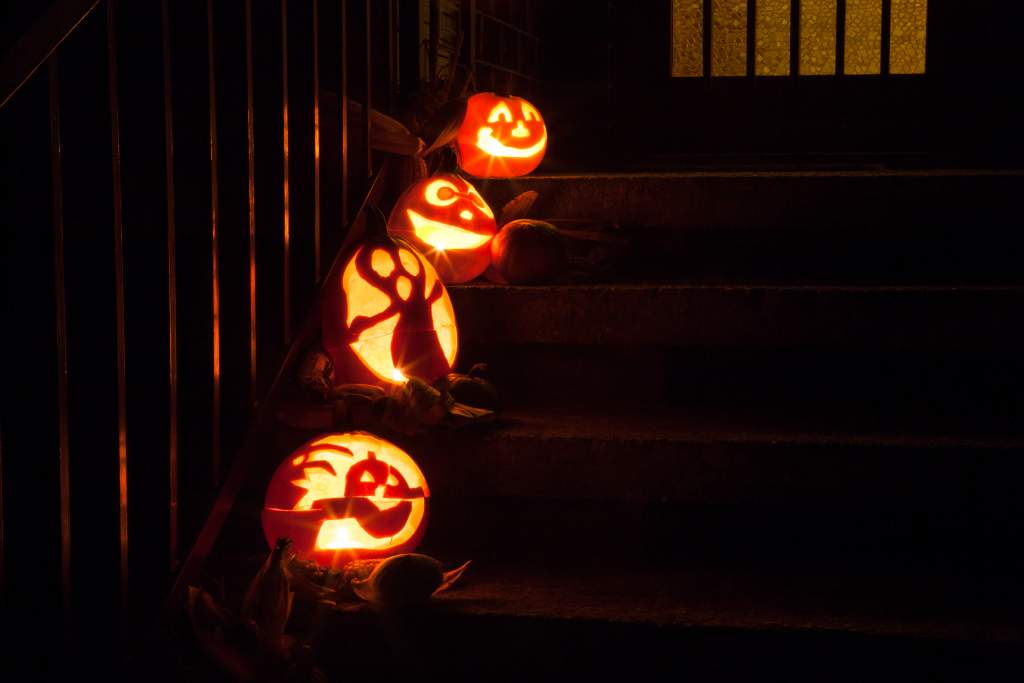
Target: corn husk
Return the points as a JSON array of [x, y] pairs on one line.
[[268, 600]]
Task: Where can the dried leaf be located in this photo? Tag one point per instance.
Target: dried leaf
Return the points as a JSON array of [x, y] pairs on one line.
[[518, 207], [443, 126], [452, 576]]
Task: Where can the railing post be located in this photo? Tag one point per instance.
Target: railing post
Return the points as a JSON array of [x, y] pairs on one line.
[[368, 103], [60, 325], [122, 418], [214, 249], [172, 295]]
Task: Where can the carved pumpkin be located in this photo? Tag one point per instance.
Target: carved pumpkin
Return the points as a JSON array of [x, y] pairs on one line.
[[448, 221], [343, 497], [386, 315], [500, 137]]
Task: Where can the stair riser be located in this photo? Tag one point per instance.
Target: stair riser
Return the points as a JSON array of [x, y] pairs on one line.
[[907, 391], [853, 227], [740, 317], [777, 201]]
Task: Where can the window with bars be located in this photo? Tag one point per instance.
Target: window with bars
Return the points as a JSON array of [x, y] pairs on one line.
[[801, 37]]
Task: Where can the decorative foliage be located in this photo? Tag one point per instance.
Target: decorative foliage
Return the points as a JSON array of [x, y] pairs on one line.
[[447, 220], [500, 137], [347, 496]]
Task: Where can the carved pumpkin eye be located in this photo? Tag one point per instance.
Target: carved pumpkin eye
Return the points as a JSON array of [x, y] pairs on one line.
[[500, 113], [441, 193], [529, 113], [480, 203]]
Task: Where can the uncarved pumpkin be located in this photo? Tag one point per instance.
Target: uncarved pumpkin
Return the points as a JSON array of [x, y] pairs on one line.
[[527, 252]]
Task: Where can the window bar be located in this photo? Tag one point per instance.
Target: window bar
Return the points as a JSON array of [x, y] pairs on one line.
[[369, 91], [840, 37], [706, 43], [751, 38], [286, 219], [122, 426], [886, 36], [343, 106], [172, 297], [60, 324], [250, 139], [214, 248], [794, 38], [316, 143]]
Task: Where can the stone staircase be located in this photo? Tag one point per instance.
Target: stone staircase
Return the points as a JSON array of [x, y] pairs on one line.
[[784, 444]]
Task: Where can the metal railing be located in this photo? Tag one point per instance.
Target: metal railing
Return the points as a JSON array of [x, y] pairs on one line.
[[202, 364]]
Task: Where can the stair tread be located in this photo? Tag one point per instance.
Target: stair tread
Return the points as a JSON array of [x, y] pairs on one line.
[[888, 604], [683, 424]]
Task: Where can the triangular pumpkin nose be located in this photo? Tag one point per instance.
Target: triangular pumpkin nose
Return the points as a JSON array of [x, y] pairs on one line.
[[520, 131]]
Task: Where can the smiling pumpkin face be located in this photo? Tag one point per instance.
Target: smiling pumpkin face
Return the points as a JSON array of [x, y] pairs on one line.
[[347, 496], [447, 220], [500, 137]]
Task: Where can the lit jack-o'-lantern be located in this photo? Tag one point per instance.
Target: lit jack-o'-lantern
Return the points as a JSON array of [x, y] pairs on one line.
[[500, 137], [349, 496], [447, 220], [388, 317]]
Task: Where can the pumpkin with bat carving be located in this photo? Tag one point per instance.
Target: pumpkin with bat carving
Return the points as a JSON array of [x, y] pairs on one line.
[[447, 220], [500, 137], [386, 314], [343, 497]]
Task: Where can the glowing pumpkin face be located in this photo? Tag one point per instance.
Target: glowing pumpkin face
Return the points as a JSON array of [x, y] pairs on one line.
[[349, 496], [448, 221], [500, 137], [388, 317]]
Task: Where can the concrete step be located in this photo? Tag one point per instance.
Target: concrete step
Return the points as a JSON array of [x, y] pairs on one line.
[[685, 456], [938, 227], [545, 623], [743, 316]]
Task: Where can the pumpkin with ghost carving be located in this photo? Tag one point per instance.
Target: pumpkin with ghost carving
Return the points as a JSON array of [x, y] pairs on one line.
[[500, 137], [386, 314], [447, 220], [343, 497]]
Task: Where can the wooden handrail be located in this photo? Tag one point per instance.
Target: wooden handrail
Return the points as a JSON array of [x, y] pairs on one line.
[[33, 49]]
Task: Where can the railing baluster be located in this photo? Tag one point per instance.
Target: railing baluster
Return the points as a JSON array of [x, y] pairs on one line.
[[215, 253], [122, 418], [172, 297], [250, 131], [316, 143], [343, 104], [60, 324], [286, 224], [368, 102], [392, 60]]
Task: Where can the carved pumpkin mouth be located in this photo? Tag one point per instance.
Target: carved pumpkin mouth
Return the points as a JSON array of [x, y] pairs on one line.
[[486, 141], [442, 236]]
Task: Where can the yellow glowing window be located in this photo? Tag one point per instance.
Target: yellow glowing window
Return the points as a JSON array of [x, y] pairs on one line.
[[722, 29]]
